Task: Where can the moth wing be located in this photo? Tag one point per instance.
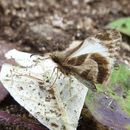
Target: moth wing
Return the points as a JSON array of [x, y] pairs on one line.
[[111, 39], [88, 84], [85, 70], [88, 69], [90, 45], [93, 67], [105, 43]]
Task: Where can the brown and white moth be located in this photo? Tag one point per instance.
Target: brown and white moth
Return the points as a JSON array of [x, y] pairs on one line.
[[90, 61]]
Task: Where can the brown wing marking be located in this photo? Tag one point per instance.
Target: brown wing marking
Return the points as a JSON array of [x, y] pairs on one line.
[[103, 67], [84, 67], [112, 40], [76, 61], [92, 67], [90, 71]]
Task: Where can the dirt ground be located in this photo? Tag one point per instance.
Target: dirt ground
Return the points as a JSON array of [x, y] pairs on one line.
[[41, 26]]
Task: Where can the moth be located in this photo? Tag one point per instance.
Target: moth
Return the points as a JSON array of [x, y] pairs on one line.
[[90, 61]]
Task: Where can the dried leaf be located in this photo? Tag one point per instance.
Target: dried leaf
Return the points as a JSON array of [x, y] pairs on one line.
[[54, 99]]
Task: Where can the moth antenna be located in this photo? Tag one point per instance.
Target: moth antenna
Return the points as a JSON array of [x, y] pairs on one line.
[[32, 77], [29, 76], [39, 58], [33, 54]]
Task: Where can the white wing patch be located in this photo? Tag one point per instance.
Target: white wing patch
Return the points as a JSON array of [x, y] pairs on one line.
[[58, 107], [91, 45]]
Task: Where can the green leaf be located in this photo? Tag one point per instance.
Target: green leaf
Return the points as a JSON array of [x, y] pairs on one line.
[[111, 104], [122, 25]]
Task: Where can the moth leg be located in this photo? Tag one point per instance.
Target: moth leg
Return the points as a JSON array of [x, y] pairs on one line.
[[56, 76], [53, 72]]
